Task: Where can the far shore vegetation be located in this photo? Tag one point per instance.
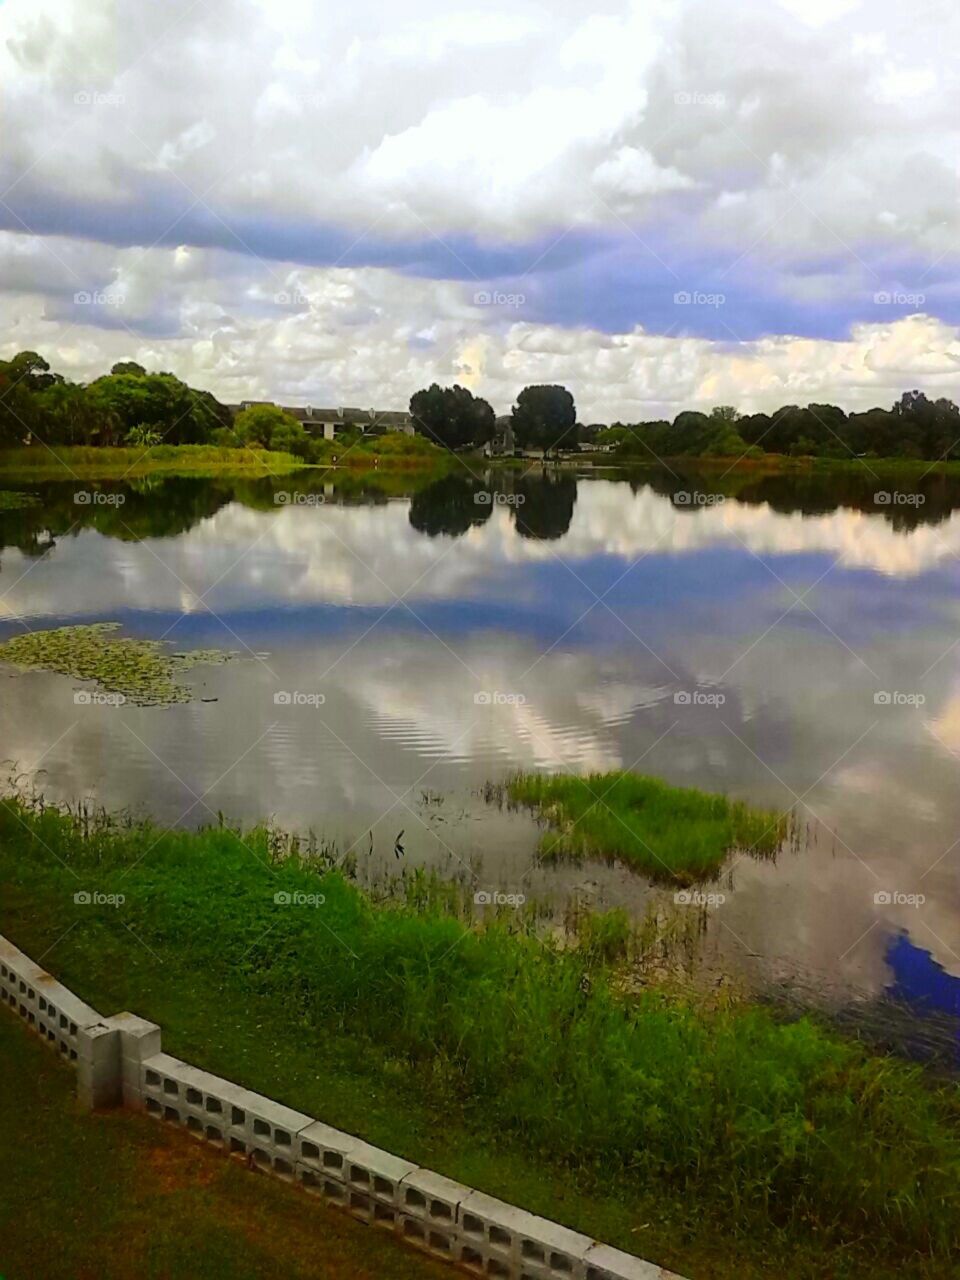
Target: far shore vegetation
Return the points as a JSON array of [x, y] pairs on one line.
[[535, 1067], [132, 408], [679, 834]]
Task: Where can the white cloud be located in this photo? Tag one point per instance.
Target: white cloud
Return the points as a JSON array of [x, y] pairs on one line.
[[796, 139]]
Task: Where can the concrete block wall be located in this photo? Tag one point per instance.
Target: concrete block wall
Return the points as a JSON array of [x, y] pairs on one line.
[[120, 1062]]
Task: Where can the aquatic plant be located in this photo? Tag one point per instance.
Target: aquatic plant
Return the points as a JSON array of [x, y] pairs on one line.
[[13, 500], [679, 834], [143, 672]]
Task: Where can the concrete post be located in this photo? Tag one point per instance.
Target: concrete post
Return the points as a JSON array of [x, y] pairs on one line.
[[138, 1040], [98, 1067]]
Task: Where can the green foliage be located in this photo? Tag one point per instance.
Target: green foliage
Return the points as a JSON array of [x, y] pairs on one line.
[[269, 427], [545, 417], [914, 427], [452, 416], [762, 1120], [13, 500], [143, 437], [678, 834], [37, 403]]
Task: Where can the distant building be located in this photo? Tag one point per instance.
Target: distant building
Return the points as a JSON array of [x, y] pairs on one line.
[[330, 422], [504, 442]]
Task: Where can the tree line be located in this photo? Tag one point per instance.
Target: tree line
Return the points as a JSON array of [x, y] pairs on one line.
[[131, 406], [914, 427]]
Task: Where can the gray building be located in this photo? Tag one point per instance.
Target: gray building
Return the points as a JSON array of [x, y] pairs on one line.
[[330, 422]]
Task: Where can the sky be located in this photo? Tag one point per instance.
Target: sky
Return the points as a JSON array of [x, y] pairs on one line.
[[662, 205]]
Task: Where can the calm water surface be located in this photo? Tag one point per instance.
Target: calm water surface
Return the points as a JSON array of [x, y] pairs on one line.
[[794, 642]]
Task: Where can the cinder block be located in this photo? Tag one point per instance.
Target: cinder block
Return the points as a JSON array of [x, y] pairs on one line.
[[376, 1173], [549, 1251], [491, 1227], [139, 1040], [513, 1242], [324, 1149], [437, 1240], [99, 1082], [317, 1183], [432, 1197], [163, 1082], [603, 1262]]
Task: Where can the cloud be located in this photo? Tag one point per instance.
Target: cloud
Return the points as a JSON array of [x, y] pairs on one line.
[[796, 161]]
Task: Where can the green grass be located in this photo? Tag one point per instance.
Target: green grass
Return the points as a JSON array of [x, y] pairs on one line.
[[142, 672], [109, 1196], [715, 1139], [87, 462], [12, 501], [678, 834], [394, 451]]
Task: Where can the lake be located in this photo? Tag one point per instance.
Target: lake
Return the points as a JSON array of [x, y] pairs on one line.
[[790, 640]]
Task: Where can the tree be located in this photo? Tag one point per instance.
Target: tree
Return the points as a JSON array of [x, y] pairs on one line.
[[725, 413], [544, 417], [159, 402], [267, 426], [453, 416], [129, 366]]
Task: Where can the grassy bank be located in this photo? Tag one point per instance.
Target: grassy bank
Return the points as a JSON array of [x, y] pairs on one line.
[[90, 463], [111, 1196], [782, 464], [514, 1065], [397, 453], [678, 834]]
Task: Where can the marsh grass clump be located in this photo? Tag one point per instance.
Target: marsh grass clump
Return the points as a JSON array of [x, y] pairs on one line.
[[142, 671], [14, 500], [678, 834], [759, 1120]]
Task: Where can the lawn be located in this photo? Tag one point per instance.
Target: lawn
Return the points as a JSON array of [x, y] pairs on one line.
[[114, 1195]]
